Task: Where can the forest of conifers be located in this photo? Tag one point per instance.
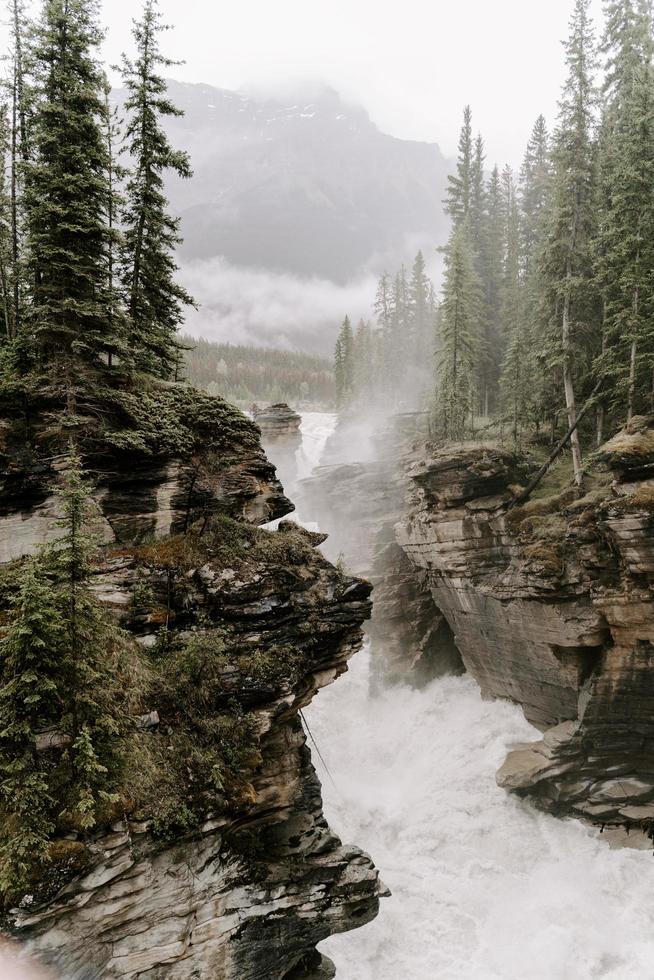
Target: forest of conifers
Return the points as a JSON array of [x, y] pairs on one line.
[[548, 294]]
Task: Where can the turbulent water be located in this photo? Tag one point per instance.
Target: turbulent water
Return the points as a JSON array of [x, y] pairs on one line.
[[483, 886]]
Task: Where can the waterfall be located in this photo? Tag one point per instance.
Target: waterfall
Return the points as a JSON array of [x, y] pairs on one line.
[[484, 887]]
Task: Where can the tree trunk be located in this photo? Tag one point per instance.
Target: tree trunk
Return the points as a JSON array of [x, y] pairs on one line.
[[568, 386], [632, 380], [632, 360]]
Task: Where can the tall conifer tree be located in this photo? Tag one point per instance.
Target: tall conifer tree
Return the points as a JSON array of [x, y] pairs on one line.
[[567, 257], [154, 298], [66, 189], [458, 325]]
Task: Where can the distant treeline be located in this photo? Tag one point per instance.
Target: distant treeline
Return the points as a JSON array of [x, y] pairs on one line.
[[260, 374]]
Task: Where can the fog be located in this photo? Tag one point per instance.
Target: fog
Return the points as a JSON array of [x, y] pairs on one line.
[[253, 306], [413, 67]]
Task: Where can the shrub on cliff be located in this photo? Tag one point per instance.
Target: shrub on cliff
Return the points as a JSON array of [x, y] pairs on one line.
[[61, 701]]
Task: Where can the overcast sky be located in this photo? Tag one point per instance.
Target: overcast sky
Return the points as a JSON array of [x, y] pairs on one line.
[[412, 64]]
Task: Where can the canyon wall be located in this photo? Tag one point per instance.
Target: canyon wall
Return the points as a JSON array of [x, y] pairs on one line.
[[246, 880], [551, 605]]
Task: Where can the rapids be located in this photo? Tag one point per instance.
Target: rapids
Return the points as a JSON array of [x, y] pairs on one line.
[[484, 887]]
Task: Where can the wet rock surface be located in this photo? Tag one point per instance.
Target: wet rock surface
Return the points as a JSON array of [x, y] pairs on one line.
[[551, 605], [251, 892]]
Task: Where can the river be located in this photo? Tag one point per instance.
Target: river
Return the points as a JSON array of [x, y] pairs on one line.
[[484, 887]]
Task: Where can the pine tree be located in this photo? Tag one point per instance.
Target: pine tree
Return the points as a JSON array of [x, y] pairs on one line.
[[458, 324], [534, 189], [516, 379], [567, 255], [66, 190], [90, 716], [7, 266], [477, 196], [155, 299], [30, 699], [18, 159], [460, 185], [625, 245], [489, 352], [344, 364]]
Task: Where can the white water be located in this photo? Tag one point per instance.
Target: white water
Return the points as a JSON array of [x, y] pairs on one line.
[[484, 887]]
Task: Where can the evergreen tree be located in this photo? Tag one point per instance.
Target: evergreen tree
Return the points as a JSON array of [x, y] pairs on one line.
[[625, 246], [66, 189], [88, 670], [155, 299], [460, 185], [477, 196], [18, 158], [30, 699], [516, 379], [344, 364], [458, 323], [489, 352], [534, 190], [7, 267], [567, 256]]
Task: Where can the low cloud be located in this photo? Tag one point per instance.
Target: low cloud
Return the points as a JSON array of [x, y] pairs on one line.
[[254, 306]]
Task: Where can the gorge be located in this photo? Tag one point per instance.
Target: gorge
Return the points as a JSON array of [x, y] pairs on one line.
[[482, 883]]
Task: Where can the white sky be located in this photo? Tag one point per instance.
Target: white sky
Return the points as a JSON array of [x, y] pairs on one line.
[[412, 65]]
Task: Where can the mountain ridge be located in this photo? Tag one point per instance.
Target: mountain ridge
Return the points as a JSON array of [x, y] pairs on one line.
[[309, 187]]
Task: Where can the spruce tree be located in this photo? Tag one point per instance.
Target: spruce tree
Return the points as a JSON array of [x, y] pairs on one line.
[[489, 353], [460, 185], [458, 325], [516, 379], [477, 195], [31, 698], [567, 255], [534, 189], [155, 300], [7, 265], [344, 364], [625, 244], [18, 152], [66, 190], [90, 715]]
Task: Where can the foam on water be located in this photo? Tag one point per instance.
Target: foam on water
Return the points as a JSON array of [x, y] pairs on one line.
[[484, 887]]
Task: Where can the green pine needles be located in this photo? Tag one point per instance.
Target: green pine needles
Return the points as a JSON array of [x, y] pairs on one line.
[[87, 269], [61, 704]]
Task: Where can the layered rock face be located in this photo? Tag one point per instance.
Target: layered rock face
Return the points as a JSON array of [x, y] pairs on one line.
[[281, 439], [551, 605], [251, 889], [360, 502]]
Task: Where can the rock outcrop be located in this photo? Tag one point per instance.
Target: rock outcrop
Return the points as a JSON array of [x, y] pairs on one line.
[[551, 605], [281, 439], [244, 880]]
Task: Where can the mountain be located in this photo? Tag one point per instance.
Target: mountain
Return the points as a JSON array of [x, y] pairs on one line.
[[310, 188]]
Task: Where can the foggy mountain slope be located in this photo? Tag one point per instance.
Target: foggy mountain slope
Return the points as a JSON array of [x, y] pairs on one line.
[[310, 188]]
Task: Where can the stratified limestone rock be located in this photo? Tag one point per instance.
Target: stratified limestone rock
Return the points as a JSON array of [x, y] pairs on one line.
[[250, 889], [281, 439], [551, 605]]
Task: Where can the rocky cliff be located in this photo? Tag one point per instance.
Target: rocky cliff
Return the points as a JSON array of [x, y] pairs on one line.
[[233, 629], [281, 439], [551, 605]]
